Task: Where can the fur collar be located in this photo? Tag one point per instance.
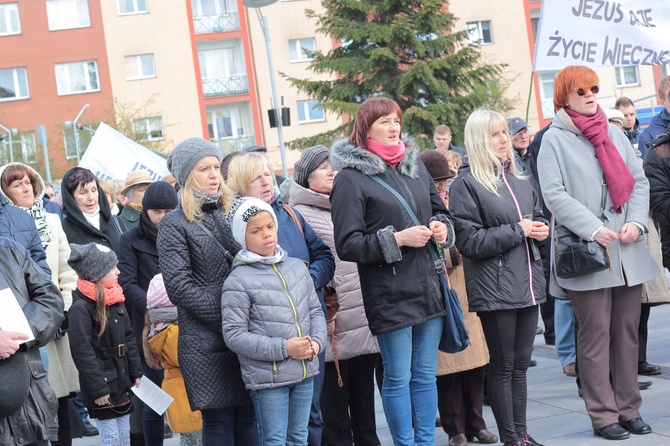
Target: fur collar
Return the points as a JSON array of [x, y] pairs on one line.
[[343, 154]]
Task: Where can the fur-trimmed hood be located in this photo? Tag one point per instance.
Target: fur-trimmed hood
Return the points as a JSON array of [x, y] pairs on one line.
[[343, 154]]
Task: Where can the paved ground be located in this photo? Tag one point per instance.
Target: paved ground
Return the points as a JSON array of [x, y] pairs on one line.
[[556, 415]]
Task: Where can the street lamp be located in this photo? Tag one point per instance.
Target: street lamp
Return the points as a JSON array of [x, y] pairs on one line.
[[75, 129], [10, 132], [275, 97]]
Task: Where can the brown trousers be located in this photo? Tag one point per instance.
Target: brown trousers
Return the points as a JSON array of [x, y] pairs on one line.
[[607, 342]]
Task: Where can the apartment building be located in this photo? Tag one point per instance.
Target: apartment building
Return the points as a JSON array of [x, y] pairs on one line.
[[165, 70]]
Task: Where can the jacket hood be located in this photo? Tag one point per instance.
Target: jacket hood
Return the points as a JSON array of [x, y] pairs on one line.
[[39, 193], [343, 154], [308, 197], [71, 209]]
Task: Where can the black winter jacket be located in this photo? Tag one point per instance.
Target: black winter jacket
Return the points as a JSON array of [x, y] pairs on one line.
[[80, 231], [43, 306], [102, 370], [400, 286], [657, 170], [194, 269], [498, 264]]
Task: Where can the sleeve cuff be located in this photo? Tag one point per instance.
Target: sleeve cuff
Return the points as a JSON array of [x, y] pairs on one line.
[[451, 234], [390, 249]]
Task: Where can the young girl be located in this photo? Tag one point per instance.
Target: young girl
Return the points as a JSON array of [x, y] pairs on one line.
[[161, 332], [102, 342], [273, 320]]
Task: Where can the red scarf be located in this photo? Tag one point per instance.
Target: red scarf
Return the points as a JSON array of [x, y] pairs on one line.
[[391, 154], [620, 181], [113, 295]]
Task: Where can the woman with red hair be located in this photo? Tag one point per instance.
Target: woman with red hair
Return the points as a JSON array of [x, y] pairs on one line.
[[594, 185], [401, 290]]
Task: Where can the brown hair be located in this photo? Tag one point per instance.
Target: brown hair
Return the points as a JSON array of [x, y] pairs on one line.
[[152, 359], [623, 102], [664, 88], [573, 76], [369, 111], [100, 307], [442, 129], [15, 172], [79, 177]]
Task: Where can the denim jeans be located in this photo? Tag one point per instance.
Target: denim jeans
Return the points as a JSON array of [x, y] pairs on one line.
[[233, 426], [315, 426], [564, 326], [282, 413], [409, 389]]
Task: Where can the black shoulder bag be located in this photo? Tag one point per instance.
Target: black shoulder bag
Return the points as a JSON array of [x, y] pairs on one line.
[[576, 257], [455, 336]]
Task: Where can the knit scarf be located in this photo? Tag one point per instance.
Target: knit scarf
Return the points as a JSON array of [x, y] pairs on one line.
[[620, 181], [391, 154], [40, 216], [113, 295], [160, 318]]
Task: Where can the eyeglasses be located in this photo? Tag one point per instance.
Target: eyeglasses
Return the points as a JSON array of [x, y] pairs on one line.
[[581, 92]]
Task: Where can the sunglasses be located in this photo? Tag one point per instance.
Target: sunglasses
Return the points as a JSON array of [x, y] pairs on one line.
[[581, 92]]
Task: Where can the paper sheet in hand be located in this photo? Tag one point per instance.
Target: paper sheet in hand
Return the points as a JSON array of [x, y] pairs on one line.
[[12, 317], [152, 395]]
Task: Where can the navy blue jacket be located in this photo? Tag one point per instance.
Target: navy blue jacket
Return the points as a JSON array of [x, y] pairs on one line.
[[656, 127], [16, 224]]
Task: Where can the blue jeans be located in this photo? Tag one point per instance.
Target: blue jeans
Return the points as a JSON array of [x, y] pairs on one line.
[[233, 426], [315, 426], [409, 389], [282, 413], [564, 327]]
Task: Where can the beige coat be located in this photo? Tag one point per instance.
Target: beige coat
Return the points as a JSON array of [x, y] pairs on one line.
[[657, 290], [477, 354], [63, 374]]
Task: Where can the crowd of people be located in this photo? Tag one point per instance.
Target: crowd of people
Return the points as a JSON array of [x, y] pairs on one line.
[[268, 308]]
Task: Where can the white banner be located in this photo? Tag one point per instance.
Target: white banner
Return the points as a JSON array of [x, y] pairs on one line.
[[602, 33], [112, 156]]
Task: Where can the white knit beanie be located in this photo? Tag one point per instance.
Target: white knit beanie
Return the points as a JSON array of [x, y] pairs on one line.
[[241, 211]]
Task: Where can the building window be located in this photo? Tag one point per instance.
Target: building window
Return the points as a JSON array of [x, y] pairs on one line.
[[13, 84], [149, 129], [132, 6], [77, 77], [299, 48], [215, 16], [23, 149], [479, 33], [547, 93], [9, 19], [140, 66], [310, 111], [222, 72], [626, 76], [68, 14]]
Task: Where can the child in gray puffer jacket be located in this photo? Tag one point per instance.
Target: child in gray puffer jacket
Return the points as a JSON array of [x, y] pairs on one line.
[[272, 319]]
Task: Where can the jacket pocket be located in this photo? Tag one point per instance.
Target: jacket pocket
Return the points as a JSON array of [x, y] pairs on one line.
[[38, 415]]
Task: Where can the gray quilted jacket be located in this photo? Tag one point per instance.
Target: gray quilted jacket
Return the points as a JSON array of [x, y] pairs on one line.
[[194, 269], [262, 306]]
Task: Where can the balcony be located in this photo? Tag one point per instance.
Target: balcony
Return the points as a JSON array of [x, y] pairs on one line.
[[229, 145], [221, 86], [227, 21]]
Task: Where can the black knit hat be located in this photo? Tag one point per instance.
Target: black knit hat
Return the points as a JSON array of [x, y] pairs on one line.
[[310, 159], [160, 195], [14, 383], [91, 262], [186, 154], [437, 165]]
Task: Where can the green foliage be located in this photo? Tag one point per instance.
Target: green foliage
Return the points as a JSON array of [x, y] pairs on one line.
[[404, 50]]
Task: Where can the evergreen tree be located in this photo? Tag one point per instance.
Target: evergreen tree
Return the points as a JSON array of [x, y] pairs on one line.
[[404, 50]]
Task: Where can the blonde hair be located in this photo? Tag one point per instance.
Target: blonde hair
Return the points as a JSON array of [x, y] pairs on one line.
[[485, 166], [152, 359], [664, 88], [245, 168], [190, 204], [455, 160]]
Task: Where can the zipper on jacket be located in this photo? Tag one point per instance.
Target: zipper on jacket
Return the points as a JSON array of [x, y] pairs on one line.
[[295, 315], [274, 366], [530, 266]]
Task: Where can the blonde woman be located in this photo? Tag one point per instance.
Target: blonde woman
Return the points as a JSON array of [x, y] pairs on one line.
[[497, 217], [195, 248]]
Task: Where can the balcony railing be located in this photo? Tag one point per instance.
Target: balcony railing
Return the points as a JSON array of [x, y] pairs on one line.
[[228, 145], [220, 86], [227, 21]]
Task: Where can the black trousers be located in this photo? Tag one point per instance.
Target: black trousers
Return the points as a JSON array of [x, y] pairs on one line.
[[643, 332], [349, 411], [460, 397], [509, 335]]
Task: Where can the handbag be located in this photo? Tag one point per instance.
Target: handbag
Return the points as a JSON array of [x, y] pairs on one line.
[[576, 257], [455, 336]]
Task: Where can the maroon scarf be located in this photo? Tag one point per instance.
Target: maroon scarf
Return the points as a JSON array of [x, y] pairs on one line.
[[620, 181], [391, 154]]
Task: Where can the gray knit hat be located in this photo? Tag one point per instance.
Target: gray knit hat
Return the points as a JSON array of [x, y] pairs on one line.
[[309, 160], [241, 211], [186, 154], [91, 262]]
